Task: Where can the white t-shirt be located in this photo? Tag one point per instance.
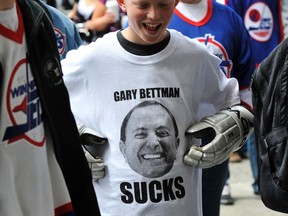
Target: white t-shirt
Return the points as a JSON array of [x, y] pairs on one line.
[[105, 82], [31, 182]]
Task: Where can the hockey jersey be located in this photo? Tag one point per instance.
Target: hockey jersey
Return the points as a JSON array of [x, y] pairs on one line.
[[39, 139], [31, 182], [67, 36], [262, 19], [228, 41]]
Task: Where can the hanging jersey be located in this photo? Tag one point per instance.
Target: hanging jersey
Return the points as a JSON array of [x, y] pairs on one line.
[[263, 21], [31, 182], [143, 105], [230, 41]]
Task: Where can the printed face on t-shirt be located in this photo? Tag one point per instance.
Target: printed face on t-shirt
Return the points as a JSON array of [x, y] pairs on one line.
[[151, 139]]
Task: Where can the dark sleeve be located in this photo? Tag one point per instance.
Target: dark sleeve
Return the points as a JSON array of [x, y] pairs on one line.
[[46, 69]]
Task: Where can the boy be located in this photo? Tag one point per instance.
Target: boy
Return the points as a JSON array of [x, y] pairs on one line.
[[147, 62]]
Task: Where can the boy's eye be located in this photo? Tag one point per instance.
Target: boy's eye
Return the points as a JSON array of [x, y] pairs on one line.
[[143, 5], [163, 5]]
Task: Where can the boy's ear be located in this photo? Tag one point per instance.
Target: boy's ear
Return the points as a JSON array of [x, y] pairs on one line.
[[122, 5]]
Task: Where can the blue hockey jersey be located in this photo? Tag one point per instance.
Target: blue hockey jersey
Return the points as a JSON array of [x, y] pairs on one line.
[[224, 34], [262, 18]]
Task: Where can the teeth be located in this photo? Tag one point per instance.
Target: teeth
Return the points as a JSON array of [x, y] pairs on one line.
[[151, 25], [152, 156]]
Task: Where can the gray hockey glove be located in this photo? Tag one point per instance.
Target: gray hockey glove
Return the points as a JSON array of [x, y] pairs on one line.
[[96, 165], [224, 132], [90, 137]]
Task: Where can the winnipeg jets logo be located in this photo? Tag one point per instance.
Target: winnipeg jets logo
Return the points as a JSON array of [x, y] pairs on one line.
[[259, 21], [218, 50], [60, 41], [23, 107]]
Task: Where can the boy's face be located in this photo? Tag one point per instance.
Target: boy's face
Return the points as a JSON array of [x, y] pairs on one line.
[[148, 19]]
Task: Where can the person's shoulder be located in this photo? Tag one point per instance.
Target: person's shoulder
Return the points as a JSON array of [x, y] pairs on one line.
[[189, 47], [101, 47], [185, 41], [226, 14], [177, 34], [107, 39], [54, 12], [217, 5], [224, 9]]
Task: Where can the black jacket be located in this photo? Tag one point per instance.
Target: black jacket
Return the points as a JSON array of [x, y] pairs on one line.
[[270, 103], [44, 60]]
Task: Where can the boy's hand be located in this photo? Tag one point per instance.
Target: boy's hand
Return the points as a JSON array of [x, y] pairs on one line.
[[96, 165], [225, 132], [89, 137]]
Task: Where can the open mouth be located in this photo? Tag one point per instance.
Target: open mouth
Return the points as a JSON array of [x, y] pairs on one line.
[[152, 27]]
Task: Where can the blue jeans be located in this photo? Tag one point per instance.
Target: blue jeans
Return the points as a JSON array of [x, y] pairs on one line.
[[213, 181], [252, 150]]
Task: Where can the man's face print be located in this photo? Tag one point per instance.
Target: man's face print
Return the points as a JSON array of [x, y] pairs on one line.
[[151, 143]]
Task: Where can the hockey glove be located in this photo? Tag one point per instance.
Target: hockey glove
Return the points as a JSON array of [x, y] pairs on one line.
[[225, 132], [90, 137], [96, 165]]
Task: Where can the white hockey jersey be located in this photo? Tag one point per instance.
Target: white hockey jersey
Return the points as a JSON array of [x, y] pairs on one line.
[[31, 182]]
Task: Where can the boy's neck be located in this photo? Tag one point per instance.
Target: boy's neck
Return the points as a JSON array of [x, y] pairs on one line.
[[142, 50]]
